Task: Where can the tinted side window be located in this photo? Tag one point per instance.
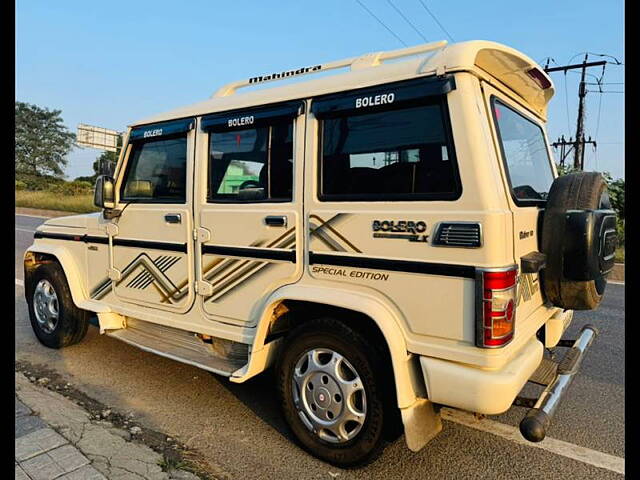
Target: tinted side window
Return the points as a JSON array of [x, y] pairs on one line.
[[525, 153], [254, 164], [157, 171], [395, 154]]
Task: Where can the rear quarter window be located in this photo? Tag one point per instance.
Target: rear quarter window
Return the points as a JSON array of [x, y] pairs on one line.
[[525, 153]]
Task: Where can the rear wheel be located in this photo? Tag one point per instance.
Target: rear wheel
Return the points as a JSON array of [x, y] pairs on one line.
[[330, 392], [55, 319]]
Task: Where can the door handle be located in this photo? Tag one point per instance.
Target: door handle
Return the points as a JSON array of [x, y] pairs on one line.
[[276, 220], [173, 218]]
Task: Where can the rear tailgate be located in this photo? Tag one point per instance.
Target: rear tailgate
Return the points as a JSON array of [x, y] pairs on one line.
[[528, 175]]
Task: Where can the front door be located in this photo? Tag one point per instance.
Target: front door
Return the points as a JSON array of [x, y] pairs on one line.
[[249, 208], [152, 246]]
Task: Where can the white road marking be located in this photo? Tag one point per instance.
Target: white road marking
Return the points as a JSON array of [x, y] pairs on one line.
[[19, 282], [25, 230], [559, 447], [614, 282]]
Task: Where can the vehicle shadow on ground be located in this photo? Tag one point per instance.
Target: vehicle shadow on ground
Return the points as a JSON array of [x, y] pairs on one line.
[[260, 395]]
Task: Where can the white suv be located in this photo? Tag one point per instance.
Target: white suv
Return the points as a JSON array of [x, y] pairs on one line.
[[392, 238]]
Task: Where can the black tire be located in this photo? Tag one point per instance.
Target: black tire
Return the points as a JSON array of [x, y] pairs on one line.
[[72, 323], [332, 334], [575, 191]]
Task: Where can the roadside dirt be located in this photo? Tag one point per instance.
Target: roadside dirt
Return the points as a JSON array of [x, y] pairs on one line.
[[173, 452]]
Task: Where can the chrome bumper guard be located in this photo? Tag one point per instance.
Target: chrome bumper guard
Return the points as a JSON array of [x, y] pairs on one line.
[[534, 425]]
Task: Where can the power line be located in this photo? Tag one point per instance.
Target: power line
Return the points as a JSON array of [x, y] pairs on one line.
[[580, 142], [436, 20], [407, 20], [381, 22]]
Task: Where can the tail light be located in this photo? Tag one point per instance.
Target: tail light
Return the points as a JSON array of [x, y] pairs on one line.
[[495, 306]]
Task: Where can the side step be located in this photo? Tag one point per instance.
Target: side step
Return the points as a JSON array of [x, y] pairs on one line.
[[219, 356], [535, 424]]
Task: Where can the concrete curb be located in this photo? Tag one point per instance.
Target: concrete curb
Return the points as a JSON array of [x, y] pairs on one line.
[[55, 438]]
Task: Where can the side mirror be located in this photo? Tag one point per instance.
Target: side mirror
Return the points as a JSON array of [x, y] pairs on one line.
[[103, 195]]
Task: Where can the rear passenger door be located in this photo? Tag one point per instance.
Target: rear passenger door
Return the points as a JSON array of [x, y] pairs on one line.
[[249, 208], [384, 175]]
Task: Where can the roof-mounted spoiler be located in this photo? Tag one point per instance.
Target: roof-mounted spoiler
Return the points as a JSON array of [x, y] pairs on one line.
[[355, 63]]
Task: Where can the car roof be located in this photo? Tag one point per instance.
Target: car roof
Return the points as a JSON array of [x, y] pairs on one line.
[[503, 63]]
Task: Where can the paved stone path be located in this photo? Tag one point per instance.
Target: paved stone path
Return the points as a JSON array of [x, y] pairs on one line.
[[42, 453], [56, 439]]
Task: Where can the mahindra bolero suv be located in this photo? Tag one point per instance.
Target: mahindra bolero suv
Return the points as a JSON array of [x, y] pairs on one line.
[[391, 239]]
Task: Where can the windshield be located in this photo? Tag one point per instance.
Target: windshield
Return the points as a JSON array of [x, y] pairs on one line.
[[525, 153]]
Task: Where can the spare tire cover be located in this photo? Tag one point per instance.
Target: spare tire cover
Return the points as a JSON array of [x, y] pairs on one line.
[[579, 241]]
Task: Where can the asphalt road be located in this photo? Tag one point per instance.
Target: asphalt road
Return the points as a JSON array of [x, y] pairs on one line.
[[239, 428]]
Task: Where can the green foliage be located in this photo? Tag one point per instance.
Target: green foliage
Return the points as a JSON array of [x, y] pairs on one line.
[[20, 185], [616, 193], [72, 188], [42, 142], [105, 163], [38, 182], [91, 179], [55, 201], [563, 170]]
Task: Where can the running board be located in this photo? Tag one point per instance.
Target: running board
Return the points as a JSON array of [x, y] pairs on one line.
[[219, 356]]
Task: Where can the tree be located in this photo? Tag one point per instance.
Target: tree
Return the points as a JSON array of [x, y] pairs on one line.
[[42, 140], [105, 164]]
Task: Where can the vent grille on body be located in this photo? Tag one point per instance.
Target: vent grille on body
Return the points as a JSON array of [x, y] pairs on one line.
[[458, 235]]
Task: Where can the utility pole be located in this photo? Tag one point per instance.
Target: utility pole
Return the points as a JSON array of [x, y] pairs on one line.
[[579, 143], [578, 159], [564, 152]]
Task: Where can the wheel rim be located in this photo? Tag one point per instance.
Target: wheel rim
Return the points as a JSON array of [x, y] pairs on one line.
[[45, 306], [329, 395]]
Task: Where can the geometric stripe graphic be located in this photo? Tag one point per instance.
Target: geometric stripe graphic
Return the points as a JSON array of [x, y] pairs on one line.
[[153, 272], [225, 273], [144, 278]]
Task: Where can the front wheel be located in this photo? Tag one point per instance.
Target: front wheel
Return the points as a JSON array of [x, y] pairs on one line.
[[331, 392], [55, 319]]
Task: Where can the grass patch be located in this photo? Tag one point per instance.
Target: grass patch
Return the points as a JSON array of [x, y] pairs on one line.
[[55, 201], [619, 255], [169, 463]]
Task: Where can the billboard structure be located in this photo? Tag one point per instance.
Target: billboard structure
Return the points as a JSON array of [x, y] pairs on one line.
[[97, 137]]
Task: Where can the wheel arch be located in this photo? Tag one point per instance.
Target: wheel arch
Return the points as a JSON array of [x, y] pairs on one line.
[[39, 254], [363, 308]]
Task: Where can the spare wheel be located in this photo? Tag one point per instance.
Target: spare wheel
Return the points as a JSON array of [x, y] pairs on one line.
[[579, 241]]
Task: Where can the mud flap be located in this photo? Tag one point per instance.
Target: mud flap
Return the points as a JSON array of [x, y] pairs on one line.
[[421, 423]]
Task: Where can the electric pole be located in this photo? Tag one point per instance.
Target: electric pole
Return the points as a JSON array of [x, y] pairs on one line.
[[578, 159], [564, 152], [579, 143]]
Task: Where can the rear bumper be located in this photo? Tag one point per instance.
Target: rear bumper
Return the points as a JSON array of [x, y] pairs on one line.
[[487, 391]]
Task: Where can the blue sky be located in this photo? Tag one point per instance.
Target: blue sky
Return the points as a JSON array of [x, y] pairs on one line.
[[111, 63]]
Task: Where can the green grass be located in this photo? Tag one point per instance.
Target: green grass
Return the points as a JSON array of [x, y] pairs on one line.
[[55, 201], [619, 255]]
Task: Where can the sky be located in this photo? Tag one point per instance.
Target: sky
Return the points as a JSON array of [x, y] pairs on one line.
[[112, 63]]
